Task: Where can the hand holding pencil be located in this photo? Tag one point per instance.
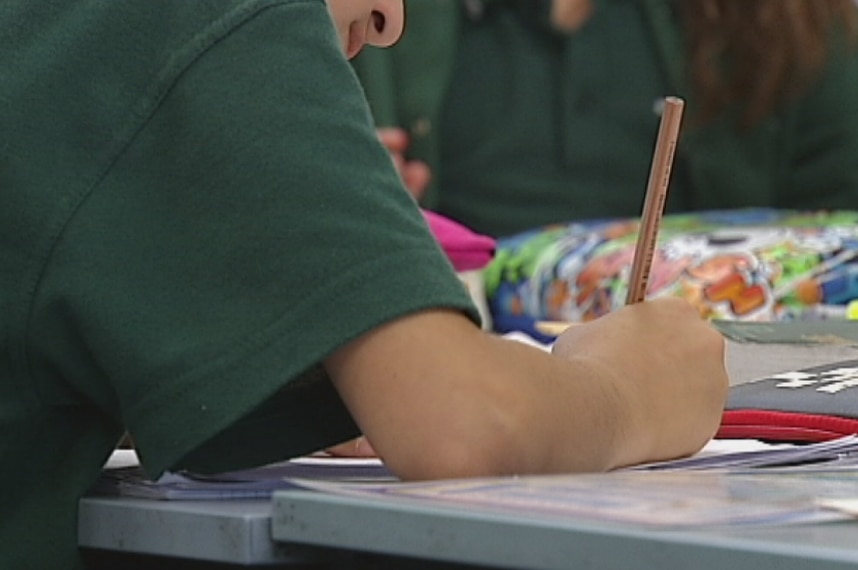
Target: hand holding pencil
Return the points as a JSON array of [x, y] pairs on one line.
[[666, 360]]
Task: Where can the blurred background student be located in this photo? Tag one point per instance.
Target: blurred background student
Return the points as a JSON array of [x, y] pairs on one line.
[[509, 114]]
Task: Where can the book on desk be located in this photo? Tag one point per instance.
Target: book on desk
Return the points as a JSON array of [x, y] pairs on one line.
[[756, 350], [130, 480]]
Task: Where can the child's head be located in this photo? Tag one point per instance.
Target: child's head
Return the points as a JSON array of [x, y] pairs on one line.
[[360, 22]]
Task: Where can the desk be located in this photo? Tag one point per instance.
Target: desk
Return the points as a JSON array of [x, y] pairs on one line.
[[259, 534], [502, 541], [227, 532], [240, 532], [133, 534]]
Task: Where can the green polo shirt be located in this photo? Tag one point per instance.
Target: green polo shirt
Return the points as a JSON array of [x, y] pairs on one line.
[[196, 211], [538, 126]]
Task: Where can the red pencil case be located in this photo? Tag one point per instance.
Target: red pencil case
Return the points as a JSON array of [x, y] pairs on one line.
[[801, 406]]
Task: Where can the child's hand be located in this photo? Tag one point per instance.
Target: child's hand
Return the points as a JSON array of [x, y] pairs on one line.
[[666, 364], [358, 447]]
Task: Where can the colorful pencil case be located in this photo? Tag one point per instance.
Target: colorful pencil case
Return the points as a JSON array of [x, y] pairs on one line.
[[737, 265], [802, 406]]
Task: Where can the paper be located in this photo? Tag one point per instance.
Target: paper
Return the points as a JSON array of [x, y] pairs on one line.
[[764, 457], [123, 475], [256, 483], [742, 482]]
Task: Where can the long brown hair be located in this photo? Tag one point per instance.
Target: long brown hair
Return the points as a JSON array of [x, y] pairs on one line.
[[760, 53]]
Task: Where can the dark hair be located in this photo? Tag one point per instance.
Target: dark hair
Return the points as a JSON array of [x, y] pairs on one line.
[[760, 53]]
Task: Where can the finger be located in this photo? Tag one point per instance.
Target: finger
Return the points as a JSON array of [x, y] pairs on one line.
[[416, 176], [394, 139], [358, 447]]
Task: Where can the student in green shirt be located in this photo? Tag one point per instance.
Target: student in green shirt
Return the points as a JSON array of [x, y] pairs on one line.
[[203, 244], [528, 112]]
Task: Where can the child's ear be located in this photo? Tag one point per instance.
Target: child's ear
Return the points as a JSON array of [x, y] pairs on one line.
[[569, 15]]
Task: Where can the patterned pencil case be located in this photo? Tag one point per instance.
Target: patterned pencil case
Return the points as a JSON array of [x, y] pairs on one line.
[[756, 265], [801, 406]]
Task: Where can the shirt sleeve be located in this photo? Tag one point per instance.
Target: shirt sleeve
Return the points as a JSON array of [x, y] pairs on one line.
[[252, 226]]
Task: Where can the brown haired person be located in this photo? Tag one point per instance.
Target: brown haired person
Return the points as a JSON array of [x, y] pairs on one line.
[[526, 112]]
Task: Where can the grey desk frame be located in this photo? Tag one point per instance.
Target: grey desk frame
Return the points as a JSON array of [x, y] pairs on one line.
[[257, 533], [229, 532], [504, 541]]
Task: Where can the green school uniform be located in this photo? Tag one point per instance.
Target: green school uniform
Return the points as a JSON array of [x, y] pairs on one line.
[[524, 126], [195, 212]]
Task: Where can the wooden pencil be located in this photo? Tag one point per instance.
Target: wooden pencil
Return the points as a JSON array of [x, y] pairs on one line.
[[656, 194]]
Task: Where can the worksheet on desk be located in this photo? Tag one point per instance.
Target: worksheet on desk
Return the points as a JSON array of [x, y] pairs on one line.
[[741, 482]]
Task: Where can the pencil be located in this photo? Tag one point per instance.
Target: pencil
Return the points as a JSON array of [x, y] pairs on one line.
[[656, 194], [552, 328]]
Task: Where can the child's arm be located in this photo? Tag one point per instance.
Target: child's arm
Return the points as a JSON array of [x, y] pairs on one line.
[[439, 398]]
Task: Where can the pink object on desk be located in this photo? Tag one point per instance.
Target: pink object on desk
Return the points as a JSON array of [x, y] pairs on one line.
[[466, 249]]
